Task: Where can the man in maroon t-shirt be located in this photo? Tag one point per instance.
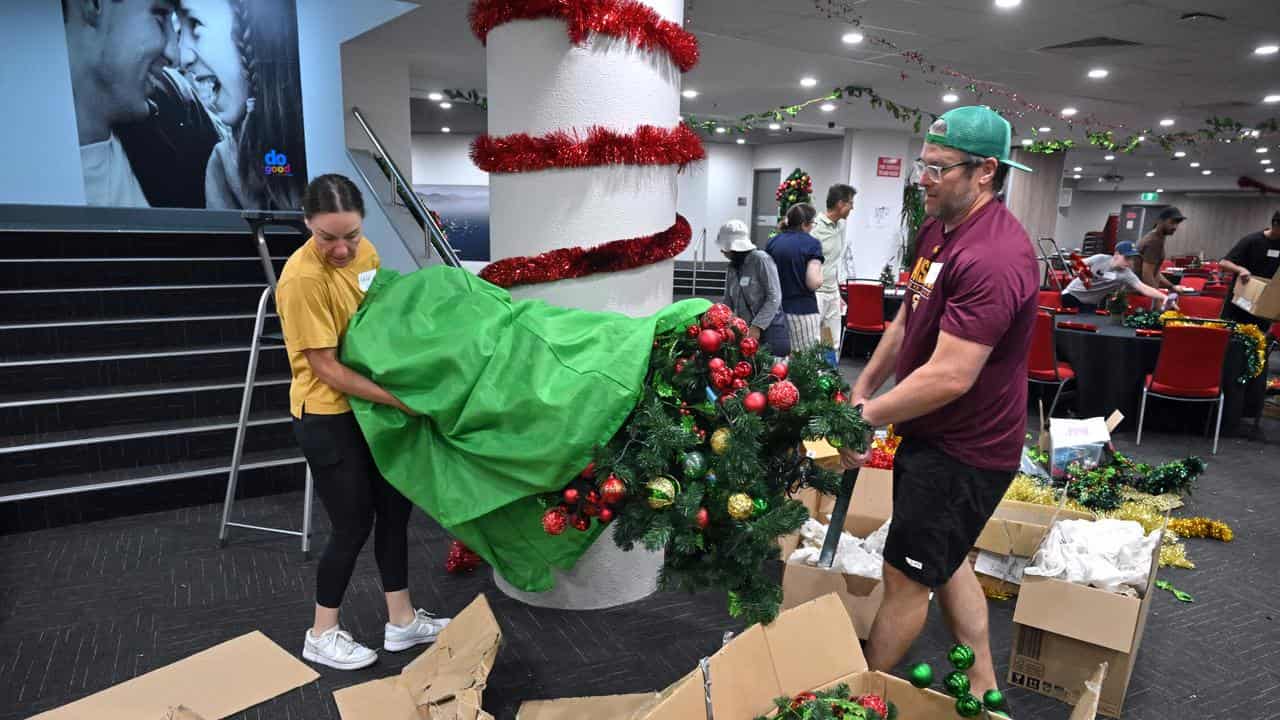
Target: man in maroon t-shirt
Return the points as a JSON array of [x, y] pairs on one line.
[[959, 351]]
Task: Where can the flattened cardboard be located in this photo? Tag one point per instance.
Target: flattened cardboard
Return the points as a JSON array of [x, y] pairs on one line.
[[216, 683], [605, 706], [443, 683], [1018, 528], [1258, 297]]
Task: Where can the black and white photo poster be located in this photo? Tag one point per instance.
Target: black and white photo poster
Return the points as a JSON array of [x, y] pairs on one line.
[[188, 103]]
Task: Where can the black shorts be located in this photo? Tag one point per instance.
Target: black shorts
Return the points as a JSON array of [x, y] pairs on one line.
[[940, 506]]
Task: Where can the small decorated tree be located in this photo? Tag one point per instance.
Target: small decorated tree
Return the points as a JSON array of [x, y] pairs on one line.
[[707, 465], [797, 188]]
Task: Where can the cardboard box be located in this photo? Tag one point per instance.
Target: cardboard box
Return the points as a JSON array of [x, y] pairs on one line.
[[608, 706], [809, 647], [443, 683], [1010, 539], [1258, 297], [823, 455], [1062, 631], [1067, 440], [870, 505], [224, 680]]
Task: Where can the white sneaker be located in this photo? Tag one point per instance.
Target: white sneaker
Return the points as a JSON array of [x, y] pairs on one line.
[[337, 649], [421, 630]]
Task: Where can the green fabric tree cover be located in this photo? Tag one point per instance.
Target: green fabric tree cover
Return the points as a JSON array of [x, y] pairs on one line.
[[513, 397]]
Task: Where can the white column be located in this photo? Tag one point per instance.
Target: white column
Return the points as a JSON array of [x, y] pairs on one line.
[[539, 82], [874, 232]]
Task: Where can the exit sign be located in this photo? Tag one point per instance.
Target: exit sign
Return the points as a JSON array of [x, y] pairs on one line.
[[1150, 197]]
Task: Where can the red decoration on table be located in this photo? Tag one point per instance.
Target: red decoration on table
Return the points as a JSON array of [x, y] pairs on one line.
[[1102, 312], [461, 559], [554, 520], [755, 402], [1146, 332], [749, 346], [1087, 327], [575, 262], [783, 395], [648, 145], [1068, 311], [638, 24]]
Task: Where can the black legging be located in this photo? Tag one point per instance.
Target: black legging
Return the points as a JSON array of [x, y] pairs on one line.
[[354, 493]]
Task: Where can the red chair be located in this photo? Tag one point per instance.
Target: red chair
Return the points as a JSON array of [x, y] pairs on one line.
[[1050, 300], [1181, 262], [903, 278], [1215, 290], [1138, 302], [1043, 367], [1194, 282], [1189, 369], [865, 314], [1201, 306]]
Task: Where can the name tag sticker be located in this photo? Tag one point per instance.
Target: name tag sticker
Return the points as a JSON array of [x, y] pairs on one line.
[[1273, 253], [366, 279], [934, 270], [744, 282]]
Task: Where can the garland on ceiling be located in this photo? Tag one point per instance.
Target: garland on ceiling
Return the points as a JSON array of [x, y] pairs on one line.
[[467, 97], [636, 23], [900, 111], [576, 262], [648, 145]]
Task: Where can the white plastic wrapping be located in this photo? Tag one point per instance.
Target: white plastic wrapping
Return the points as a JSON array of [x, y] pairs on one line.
[[854, 556], [1112, 555]]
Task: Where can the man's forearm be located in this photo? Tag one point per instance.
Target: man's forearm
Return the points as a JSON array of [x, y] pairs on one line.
[[349, 382], [1232, 267], [923, 391]]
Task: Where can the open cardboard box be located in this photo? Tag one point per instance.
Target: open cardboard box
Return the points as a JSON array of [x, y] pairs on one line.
[[809, 647], [443, 683], [1258, 297], [869, 507], [1062, 631], [1010, 539]]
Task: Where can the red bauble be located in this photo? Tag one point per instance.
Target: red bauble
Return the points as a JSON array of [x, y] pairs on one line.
[[589, 471], [709, 341], [840, 398], [580, 522], [749, 346], [728, 335], [783, 395], [590, 509], [571, 495], [743, 370], [593, 497], [875, 703], [461, 559], [717, 316], [680, 366], [554, 520], [739, 383], [805, 697], [715, 363], [702, 434], [692, 331], [722, 379], [740, 325], [703, 518], [606, 516], [755, 402], [779, 370], [613, 490]]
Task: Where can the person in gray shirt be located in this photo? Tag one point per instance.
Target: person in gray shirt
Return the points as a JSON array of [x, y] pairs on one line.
[[1109, 273], [752, 289]]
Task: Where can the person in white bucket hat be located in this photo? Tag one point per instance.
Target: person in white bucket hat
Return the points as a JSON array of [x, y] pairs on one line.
[[752, 289]]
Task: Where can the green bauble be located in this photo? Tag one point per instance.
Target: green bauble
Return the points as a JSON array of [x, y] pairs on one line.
[[993, 700], [759, 506], [968, 706], [695, 465], [827, 384], [961, 656], [921, 675], [956, 683]]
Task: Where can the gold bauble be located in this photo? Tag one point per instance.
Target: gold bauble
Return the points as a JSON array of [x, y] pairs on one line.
[[662, 492], [720, 441], [740, 506]]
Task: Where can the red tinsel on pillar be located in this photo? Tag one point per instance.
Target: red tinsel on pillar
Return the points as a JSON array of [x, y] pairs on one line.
[[575, 262], [648, 145], [638, 24]]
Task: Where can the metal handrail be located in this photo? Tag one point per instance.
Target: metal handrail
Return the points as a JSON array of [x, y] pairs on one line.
[[434, 234]]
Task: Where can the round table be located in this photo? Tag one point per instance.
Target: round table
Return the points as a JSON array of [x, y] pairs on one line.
[[1112, 363]]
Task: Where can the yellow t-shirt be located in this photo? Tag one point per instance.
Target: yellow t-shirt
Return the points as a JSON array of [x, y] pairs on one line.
[[316, 301]]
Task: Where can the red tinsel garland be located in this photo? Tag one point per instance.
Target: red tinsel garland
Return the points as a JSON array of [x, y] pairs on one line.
[[638, 24], [575, 262], [648, 145]]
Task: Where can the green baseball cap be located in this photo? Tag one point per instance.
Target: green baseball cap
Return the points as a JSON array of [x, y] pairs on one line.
[[975, 129]]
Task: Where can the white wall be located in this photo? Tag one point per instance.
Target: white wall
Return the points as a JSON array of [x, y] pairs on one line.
[[1088, 213], [708, 194], [874, 231], [377, 81], [819, 158], [445, 160]]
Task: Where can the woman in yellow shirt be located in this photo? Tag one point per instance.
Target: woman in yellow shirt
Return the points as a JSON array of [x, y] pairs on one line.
[[320, 288]]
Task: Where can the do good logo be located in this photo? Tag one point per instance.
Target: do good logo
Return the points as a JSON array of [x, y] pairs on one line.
[[276, 163]]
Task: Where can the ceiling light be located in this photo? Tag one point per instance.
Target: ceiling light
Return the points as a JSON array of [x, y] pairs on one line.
[[1027, 142], [741, 141], [1077, 176], [1166, 122], [691, 94], [1195, 164], [1271, 170], [1068, 112], [1261, 150], [1109, 158], [435, 97], [1206, 172], [721, 131], [852, 38], [1265, 161], [1180, 154], [1077, 169], [1044, 129], [1151, 173], [775, 126], [1006, 4], [446, 105], [808, 82], [1099, 73], [445, 130], [1266, 50], [950, 97], [1255, 133], [827, 107], [1142, 138], [1159, 190], [1271, 99]]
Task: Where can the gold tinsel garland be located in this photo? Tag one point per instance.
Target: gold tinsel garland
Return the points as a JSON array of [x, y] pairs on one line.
[[1147, 510]]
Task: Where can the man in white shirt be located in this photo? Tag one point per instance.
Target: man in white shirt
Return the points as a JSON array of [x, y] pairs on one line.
[[828, 229], [115, 49]]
